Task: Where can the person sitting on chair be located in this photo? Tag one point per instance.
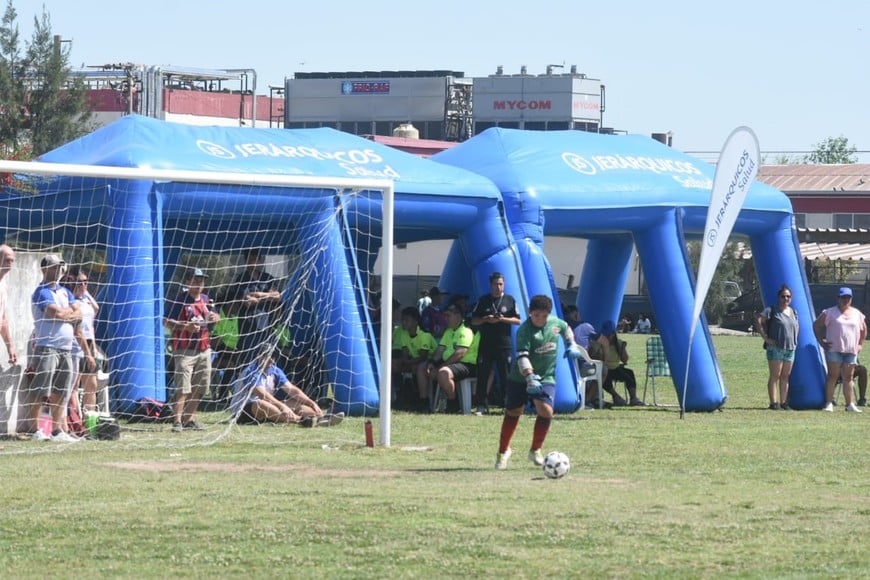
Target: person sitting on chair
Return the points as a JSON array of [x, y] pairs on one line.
[[454, 359], [411, 349], [615, 359]]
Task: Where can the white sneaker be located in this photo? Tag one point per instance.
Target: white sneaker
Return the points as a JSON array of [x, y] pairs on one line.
[[829, 408], [64, 437], [40, 436], [852, 407], [536, 456], [501, 460]]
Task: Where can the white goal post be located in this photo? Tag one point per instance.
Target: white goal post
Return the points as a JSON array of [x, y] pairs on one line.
[[384, 187]]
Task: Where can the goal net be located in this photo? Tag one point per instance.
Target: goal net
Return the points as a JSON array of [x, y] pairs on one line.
[[291, 267]]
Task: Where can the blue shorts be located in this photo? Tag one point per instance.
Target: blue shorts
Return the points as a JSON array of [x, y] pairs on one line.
[[516, 395], [783, 354], [845, 358]]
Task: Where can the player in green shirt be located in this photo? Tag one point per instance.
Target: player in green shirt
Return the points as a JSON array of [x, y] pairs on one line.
[[533, 376]]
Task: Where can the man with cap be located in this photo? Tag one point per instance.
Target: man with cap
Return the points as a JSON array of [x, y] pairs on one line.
[[841, 330], [189, 317], [55, 316]]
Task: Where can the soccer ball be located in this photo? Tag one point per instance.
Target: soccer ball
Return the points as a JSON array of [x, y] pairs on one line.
[[556, 464]]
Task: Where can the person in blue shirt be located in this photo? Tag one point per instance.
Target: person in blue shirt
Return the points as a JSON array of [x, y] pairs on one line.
[[55, 317], [264, 394]]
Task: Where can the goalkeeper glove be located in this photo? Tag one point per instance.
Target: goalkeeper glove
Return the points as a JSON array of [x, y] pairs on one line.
[[533, 385]]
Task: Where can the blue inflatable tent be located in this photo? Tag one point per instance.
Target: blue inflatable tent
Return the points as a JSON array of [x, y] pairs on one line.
[[619, 191], [141, 226]]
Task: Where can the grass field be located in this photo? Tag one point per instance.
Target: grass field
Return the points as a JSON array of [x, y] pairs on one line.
[[742, 493]]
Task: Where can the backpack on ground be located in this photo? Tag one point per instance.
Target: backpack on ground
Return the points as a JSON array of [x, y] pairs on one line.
[[150, 410]]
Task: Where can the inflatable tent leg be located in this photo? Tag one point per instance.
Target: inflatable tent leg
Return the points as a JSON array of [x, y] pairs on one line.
[[134, 317], [602, 284], [671, 291], [344, 338]]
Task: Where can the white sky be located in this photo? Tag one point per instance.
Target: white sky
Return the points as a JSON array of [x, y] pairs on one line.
[[795, 71]]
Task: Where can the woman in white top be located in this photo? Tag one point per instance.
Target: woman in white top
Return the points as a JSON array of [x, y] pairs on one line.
[[90, 353]]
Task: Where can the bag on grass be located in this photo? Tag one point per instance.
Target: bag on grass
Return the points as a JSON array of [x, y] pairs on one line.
[[108, 429], [150, 410]]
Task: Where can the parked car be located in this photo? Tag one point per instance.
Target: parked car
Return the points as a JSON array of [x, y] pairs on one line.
[[742, 311]]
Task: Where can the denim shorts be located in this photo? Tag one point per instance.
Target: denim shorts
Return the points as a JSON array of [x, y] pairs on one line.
[[845, 358], [783, 354]]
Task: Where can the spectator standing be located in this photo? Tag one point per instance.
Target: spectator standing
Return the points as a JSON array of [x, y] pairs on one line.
[[494, 315], [258, 299], [224, 342], [189, 317], [7, 260], [54, 318], [90, 356], [841, 331], [778, 327]]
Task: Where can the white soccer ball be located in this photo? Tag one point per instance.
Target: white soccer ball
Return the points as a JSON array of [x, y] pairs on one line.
[[556, 465]]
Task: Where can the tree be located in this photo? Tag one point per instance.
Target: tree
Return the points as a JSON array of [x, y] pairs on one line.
[[730, 268], [43, 106], [782, 159], [832, 150]]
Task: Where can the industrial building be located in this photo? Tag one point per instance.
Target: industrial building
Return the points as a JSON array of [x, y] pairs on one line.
[[443, 105]]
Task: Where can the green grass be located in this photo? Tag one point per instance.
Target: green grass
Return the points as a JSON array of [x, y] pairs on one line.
[[746, 492]]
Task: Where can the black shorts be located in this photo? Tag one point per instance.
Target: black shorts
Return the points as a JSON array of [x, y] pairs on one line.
[[462, 370]]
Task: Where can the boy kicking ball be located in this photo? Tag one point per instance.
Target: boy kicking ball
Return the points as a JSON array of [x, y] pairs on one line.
[[533, 376]]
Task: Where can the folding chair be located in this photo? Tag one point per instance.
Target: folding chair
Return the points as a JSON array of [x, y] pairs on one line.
[[656, 364], [598, 377]]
